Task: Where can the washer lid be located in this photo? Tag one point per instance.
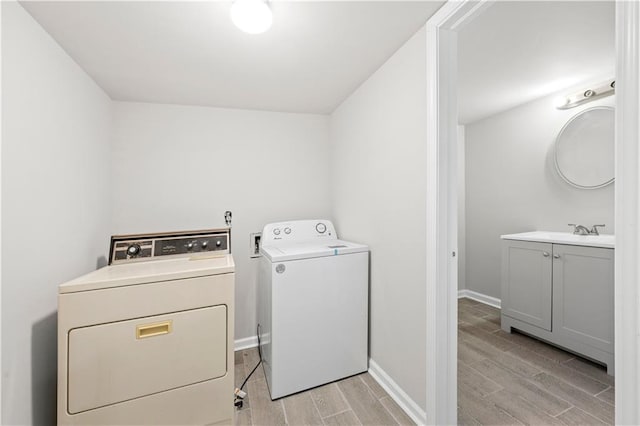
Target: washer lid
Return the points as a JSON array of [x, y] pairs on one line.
[[148, 272], [308, 250]]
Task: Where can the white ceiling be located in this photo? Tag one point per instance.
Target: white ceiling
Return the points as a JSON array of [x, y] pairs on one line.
[[516, 52], [314, 56]]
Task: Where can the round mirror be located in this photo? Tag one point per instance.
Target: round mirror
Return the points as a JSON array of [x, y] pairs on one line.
[[585, 148]]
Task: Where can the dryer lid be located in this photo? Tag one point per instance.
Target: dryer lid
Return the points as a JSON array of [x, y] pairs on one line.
[[148, 272]]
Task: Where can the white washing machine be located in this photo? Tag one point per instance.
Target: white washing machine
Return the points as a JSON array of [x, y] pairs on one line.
[[149, 338], [313, 303]]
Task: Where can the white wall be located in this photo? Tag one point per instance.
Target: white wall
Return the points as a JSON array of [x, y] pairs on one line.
[[77, 168], [180, 167], [512, 186], [55, 156], [462, 211], [378, 157]]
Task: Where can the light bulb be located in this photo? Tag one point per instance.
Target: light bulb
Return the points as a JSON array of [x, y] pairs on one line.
[[251, 16]]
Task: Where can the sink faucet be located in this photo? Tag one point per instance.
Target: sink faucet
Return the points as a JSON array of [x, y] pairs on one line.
[[594, 229], [580, 230]]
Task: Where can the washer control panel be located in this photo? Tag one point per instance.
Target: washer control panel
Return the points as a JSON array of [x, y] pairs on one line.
[[141, 247], [297, 231]]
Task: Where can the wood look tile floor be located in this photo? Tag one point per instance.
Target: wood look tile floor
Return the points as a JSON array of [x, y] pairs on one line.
[[512, 379], [357, 400]]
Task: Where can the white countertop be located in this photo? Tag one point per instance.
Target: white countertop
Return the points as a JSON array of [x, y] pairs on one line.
[[602, 240]]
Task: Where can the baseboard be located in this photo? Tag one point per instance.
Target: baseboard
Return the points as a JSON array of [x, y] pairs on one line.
[[405, 402], [479, 297], [246, 343]]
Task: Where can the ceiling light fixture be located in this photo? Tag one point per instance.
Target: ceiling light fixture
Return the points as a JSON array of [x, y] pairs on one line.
[[600, 91], [251, 16]]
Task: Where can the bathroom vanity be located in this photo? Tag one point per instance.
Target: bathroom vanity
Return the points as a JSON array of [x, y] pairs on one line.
[[559, 287]]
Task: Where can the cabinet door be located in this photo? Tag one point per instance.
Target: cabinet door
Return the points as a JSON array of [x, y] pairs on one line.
[[526, 282], [583, 280]]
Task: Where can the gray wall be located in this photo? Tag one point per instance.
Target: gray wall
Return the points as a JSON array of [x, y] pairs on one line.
[[378, 157], [55, 214], [512, 186], [180, 167]]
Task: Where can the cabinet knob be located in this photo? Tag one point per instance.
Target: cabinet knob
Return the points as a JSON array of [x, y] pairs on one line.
[[556, 256], [545, 254]]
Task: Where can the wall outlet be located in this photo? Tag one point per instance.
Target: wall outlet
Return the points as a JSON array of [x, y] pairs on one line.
[[254, 244]]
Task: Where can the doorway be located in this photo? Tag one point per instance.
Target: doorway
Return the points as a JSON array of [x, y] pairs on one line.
[[515, 61], [442, 224]]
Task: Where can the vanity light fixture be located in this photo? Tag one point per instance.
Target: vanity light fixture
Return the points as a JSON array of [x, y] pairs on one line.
[[601, 90], [251, 16]]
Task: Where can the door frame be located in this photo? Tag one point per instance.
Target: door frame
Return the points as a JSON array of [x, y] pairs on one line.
[[441, 263]]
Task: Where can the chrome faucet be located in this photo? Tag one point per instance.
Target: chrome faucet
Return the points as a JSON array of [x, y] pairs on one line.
[[580, 230], [583, 230]]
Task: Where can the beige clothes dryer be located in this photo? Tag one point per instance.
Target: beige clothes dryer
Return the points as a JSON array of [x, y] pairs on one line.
[[150, 341]]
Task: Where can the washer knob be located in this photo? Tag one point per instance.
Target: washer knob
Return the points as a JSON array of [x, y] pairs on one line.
[[321, 228], [133, 249], [205, 244], [218, 243], [189, 245], [276, 231], [287, 231]]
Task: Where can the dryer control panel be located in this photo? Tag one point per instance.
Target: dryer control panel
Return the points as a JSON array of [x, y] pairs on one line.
[[141, 247], [298, 231]]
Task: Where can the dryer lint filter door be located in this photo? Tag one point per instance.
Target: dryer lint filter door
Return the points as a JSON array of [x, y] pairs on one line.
[[111, 363]]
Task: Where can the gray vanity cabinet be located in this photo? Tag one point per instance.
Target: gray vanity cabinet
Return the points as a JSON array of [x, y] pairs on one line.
[[526, 282], [583, 295], [562, 294]]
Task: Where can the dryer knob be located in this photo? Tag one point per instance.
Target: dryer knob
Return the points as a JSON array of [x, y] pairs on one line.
[[204, 244], [218, 243], [133, 249], [189, 245], [321, 228]]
